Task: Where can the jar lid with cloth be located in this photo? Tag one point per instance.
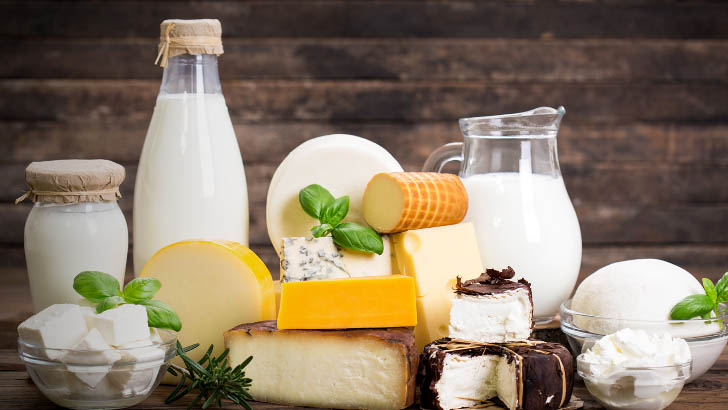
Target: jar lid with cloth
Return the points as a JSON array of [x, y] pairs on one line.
[[177, 37], [73, 180]]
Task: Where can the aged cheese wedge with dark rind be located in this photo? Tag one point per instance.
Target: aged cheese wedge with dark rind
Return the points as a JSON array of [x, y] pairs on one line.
[[345, 369], [528, 375]]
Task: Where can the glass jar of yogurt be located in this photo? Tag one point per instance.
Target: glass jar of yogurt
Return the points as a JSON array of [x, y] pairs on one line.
[[75, 225]]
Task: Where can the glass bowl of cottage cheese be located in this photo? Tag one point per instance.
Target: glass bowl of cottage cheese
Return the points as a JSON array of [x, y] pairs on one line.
[[705, 338], [636, 370], [82, 360]]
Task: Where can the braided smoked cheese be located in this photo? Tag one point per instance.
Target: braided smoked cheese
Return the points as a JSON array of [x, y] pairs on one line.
[[401, 201]]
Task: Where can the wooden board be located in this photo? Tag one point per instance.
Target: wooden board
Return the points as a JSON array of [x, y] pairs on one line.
[[269, 142], [495, 60], [399, 19], [284, 100]]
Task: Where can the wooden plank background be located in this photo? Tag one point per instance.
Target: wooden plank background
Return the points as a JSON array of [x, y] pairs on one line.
[[643, 147]]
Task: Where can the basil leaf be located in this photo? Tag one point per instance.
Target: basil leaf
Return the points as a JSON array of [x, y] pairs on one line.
[[321, 230], [160, 315], [96, 286], [361, 238], [722, 288], [314, 198], [141, 289], [336, 211], [710, 290], [109, 303], [690, 307]]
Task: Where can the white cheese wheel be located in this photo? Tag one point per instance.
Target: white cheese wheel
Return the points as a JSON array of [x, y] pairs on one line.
[[341, 163]]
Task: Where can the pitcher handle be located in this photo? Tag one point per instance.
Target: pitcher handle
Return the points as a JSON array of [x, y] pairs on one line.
[[441, 156]]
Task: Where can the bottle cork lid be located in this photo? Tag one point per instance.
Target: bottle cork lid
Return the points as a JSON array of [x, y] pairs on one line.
[[178, 37], [73, 180]]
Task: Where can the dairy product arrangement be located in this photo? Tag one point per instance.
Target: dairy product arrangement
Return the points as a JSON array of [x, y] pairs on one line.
[[395, 288]]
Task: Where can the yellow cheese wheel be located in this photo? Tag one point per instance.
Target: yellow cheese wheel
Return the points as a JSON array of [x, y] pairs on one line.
[[213, 286]]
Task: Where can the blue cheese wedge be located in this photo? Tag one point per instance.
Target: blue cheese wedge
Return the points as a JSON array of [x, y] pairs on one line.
[[320, 258]]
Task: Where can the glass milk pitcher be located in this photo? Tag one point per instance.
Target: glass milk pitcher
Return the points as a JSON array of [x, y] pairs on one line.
[[522, 213]]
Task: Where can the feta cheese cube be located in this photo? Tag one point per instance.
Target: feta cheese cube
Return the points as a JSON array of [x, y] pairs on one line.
[[123, 324], [89, 315], [83, 302], [144, 360], [91, 358], [100, 392], [57, 327], [155, 337]]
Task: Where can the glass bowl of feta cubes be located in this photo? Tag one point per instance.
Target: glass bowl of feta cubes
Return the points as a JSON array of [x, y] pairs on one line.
[[114, 360]]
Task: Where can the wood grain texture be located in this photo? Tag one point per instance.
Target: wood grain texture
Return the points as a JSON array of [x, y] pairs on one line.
[[399, 19], [269, 100], [495, 60], [269, 142]]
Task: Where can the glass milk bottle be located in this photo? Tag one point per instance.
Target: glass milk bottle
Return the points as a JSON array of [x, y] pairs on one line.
[[190, 182], [75, 225], [522, 214]]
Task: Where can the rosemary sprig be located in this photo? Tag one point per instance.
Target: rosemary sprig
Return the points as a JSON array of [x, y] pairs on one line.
[[212, 376]]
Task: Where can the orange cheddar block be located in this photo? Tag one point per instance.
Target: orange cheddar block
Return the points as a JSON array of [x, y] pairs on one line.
[[366, 302]]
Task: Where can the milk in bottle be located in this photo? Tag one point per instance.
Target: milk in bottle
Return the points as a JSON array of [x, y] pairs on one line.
[[190, 183]]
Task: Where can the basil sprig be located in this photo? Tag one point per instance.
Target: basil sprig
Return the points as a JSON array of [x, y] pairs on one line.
[[104, 290], [320, 204], [703, 304]]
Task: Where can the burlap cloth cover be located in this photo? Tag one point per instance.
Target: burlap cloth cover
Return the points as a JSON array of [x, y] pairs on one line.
[[73, 180], [188, 37]]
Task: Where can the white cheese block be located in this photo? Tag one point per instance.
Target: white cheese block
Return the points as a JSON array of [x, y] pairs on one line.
[[343, 164], [340, 369], [102, 391], [123, 324], [500, 317], [139, 366], [154, 336], [59, 326], [91, 358], [320, 258], [466, 380], [89, 315]]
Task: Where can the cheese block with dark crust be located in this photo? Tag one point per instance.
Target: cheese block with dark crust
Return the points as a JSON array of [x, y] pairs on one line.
[[341, 368]]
